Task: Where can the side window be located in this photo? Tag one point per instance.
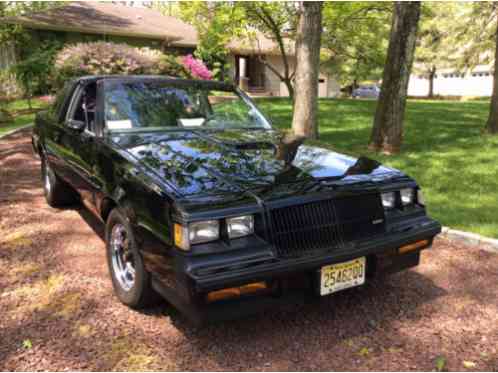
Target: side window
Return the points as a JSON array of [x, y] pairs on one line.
[[61, 102], [84, 110]]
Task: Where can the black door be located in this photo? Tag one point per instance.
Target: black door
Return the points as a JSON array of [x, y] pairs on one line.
[[79, 146]]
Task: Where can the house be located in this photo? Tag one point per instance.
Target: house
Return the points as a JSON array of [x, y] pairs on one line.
[[144, 27], [477, 82]]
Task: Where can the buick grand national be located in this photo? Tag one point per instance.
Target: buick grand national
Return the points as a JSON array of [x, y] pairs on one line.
[[206, 204]]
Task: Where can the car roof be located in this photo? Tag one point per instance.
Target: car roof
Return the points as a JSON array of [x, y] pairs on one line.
[[87, 79]]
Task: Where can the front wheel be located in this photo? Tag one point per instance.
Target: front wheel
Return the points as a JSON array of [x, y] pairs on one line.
[[131, 282]]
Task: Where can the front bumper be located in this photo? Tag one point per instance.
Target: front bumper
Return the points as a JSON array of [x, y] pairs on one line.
[[203, 275], [270, 268]]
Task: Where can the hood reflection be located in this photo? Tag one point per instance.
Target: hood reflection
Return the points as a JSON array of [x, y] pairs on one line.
[[219, 162]]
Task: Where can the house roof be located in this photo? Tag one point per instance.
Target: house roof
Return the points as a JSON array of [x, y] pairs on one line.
[[116, 19], [111, 19], [258, 43]]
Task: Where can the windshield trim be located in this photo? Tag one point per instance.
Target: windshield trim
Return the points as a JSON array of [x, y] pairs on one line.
[[253, 106]]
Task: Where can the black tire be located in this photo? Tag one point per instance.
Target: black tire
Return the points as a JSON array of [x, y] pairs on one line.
[[57, 192], [140, 294]]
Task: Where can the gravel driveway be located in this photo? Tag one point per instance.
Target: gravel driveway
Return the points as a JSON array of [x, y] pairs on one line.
[[58, 311]]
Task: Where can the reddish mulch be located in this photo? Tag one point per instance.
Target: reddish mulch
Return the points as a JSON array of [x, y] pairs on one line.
[[58, 311]]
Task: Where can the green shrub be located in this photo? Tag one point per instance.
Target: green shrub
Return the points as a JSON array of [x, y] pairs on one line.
[[9, 89], [34, 70]]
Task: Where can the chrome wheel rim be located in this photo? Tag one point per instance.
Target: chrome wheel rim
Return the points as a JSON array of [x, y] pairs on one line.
[[122, 258], [48, 183]]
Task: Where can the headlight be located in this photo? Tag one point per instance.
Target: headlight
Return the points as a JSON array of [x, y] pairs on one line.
[[388, 200], [420, 197], [240, 226], [407, 196], [198, 232]]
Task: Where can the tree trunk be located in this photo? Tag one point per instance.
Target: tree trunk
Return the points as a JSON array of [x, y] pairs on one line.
[[387, 131], [30, 105], [290, 88], [432, 76], [492, 124], [308, 39]]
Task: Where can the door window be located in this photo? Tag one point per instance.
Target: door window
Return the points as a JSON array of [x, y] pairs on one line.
[[85, 107]]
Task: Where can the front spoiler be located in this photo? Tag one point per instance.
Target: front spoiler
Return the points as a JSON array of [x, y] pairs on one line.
[[425, 229], [199, 312]]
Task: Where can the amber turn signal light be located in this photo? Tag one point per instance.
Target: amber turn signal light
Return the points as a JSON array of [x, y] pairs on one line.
[[230, 293], [181, 237], [413, 246]]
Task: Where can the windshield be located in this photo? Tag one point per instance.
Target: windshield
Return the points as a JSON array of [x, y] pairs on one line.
[[152, 105]]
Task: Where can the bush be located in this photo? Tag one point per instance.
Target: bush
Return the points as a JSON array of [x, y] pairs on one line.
[[109, 58], [195, 68], [35, 67], [101, 58], [9, 89]]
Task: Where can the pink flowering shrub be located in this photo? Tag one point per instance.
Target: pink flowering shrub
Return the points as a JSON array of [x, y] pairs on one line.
[[102, 58], [196, 68]]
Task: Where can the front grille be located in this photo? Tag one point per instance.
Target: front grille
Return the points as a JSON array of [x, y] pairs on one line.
[[316, 227], [360, 216]]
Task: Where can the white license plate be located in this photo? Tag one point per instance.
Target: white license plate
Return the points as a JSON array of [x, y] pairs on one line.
[[340, 276]]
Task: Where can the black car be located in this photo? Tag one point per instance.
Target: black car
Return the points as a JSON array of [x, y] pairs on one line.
[[210, 207]]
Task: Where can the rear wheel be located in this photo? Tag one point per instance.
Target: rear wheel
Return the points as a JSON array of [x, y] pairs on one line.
[[57, 192], [131, 282]]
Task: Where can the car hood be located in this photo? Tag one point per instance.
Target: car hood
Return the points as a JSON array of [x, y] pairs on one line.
[[266, 163]]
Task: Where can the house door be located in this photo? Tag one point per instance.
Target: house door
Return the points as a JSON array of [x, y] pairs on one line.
[[249, 72]]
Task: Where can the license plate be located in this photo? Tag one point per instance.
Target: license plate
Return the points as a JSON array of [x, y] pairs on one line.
[[340, 276]]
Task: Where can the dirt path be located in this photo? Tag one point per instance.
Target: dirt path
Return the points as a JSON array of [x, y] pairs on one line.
[[57, 310]]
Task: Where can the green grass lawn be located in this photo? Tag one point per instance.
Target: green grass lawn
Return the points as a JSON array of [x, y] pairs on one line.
[[17, 108], [444, 150]]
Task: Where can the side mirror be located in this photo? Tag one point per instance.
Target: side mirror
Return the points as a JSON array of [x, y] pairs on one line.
[[76, 125]]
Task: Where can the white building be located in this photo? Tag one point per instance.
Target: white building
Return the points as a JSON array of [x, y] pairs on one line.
[[449, 82], [248, 59]]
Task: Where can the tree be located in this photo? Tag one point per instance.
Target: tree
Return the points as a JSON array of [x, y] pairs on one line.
[[34, 59], [476, 40], [434, 47], [276, 21], [308, 38], [387, 131], [13, 33], [492, 123], [355, 39], [167, 8], [473, 37], [216, 24]]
